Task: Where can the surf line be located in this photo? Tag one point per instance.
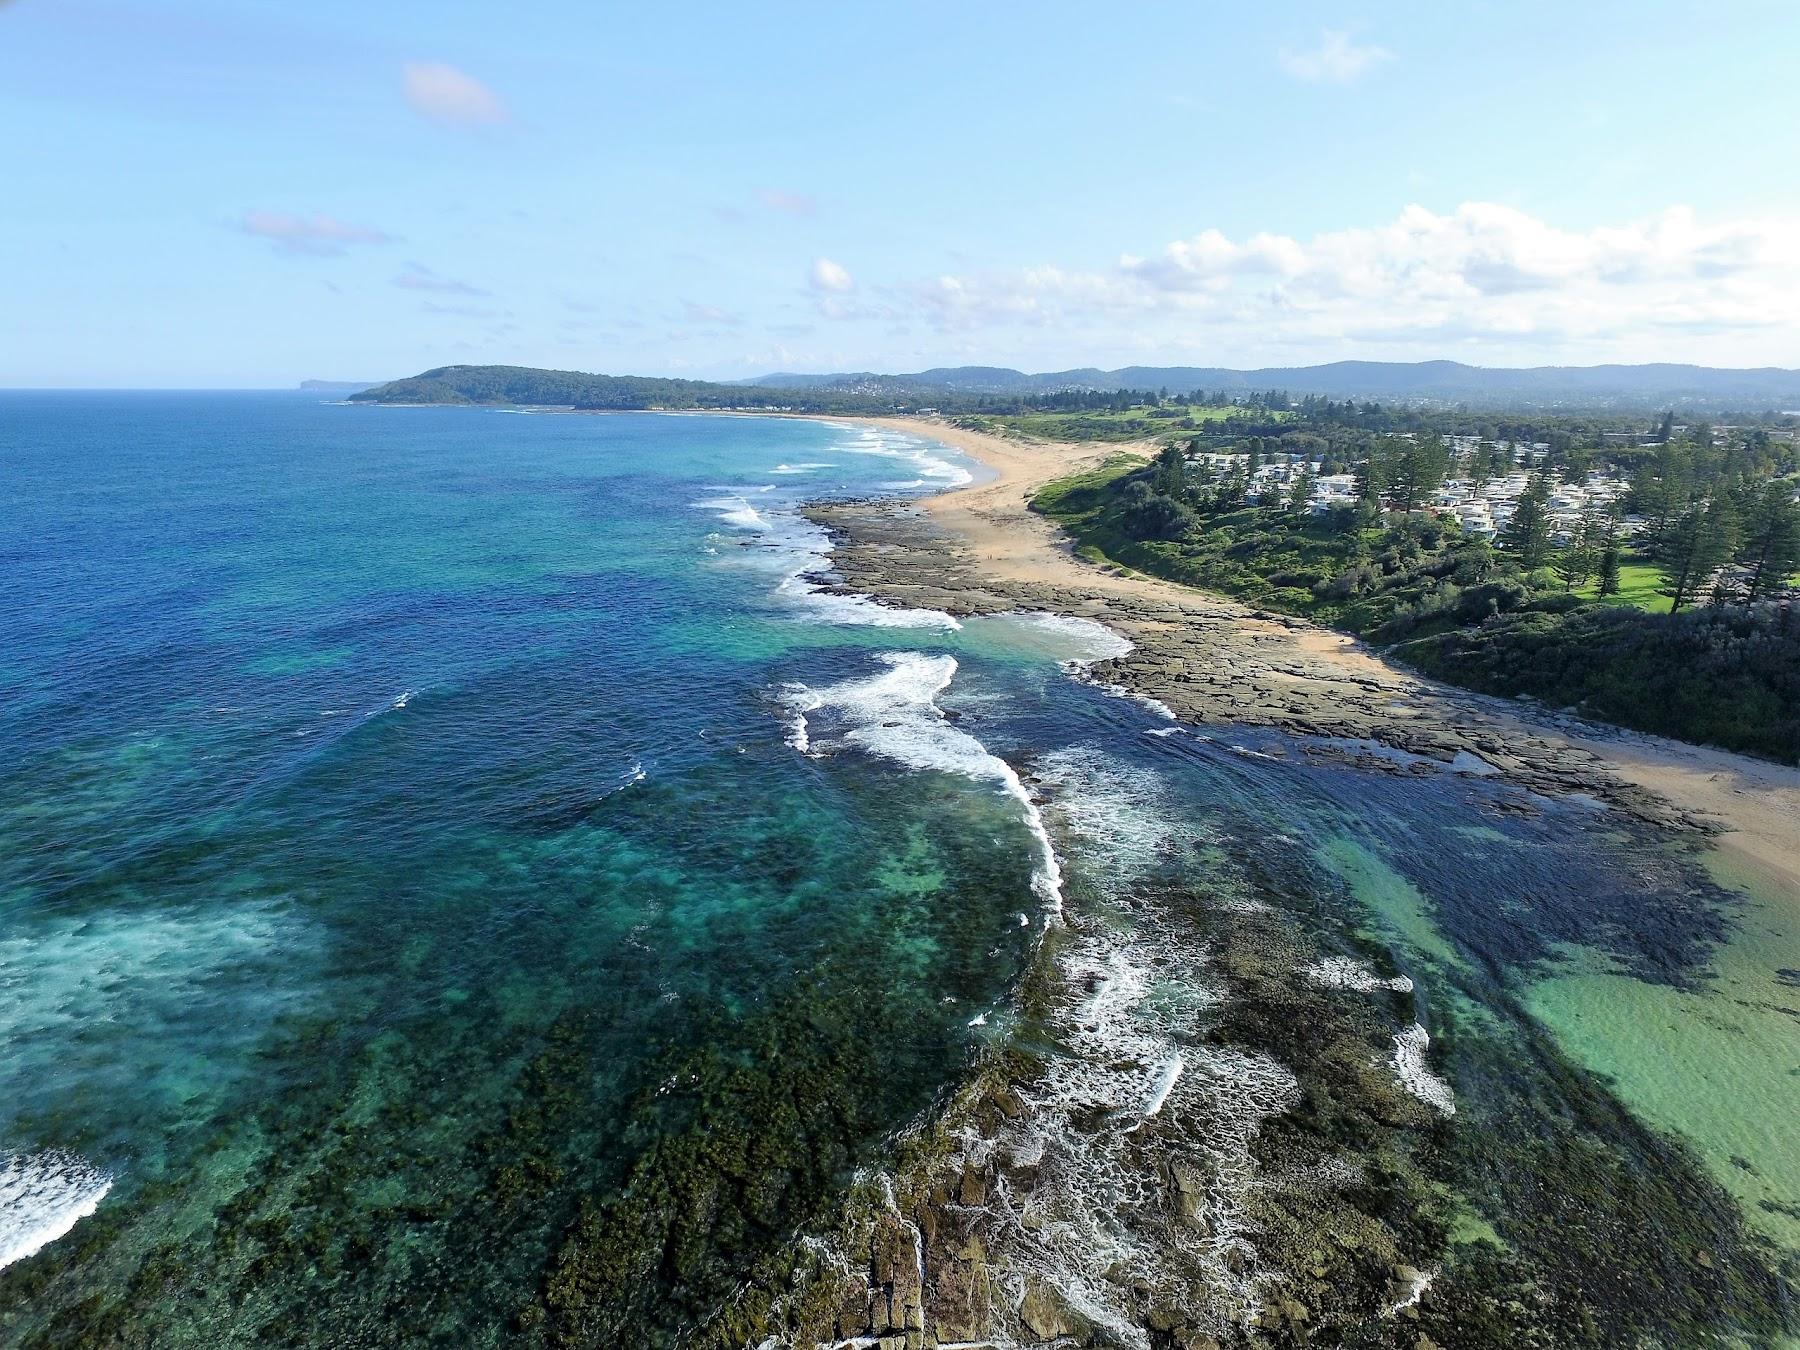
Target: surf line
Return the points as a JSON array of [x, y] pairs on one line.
[[894, 715], [42, 1197]]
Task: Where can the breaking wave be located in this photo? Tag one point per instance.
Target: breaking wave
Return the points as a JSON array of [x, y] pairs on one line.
[[734, 511], [894, 714], [794, 552], [931, 467], [42, 1197]]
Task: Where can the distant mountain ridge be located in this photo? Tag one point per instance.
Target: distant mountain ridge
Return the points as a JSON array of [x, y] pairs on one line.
[[966, 388], [1443, 380]]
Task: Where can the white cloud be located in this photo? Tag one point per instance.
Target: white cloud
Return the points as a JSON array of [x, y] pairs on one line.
[[451, 98], [315, 234], [831, 277], [1483, 276], [1337, 59]]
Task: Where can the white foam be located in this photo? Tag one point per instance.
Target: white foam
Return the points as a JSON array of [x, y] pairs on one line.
[[42, 1197], [1411, 1067], [818, 605], [930, 466], [894, 714], [1155, 705], [1132, 1051], [1085, 641], [734, 511], [1093, 642], [404, 699], [1416, 1287], [1122, 815], [1343, 972], [1165, 1084], [797, 548]]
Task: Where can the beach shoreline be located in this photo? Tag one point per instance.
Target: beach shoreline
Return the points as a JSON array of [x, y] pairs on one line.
[[984, 538]]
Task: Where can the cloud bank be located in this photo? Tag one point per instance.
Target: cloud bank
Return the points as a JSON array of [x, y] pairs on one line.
[[1482, 273]]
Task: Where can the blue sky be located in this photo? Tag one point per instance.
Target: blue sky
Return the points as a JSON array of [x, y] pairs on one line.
[[208, 194]]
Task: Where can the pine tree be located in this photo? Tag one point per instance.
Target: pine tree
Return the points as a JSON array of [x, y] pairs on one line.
[[1771, 547], [1171, 472], [1371, 479], [1527, 534], [1575, 564], [1300, 493], [1417, 469], [1694, 545], [1609, 568]]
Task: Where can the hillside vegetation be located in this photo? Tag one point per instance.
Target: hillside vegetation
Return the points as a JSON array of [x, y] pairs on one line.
[[1715, 545]]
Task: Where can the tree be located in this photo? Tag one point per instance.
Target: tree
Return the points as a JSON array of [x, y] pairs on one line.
[[1608, 567], [1662, 491], [1416, 470], [1695, 543], [1666, 428], [1771, 547], [1371, 479], [1481, 462], [1229, 494], [1527, 534], [1300, 493], [1575, 564], [1171, 472], [1148, 514]]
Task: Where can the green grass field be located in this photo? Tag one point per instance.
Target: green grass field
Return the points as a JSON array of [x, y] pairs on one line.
[[1638, 581], [1130, 424]]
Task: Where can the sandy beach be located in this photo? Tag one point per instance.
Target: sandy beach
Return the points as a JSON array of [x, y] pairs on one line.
[[1754, 805]]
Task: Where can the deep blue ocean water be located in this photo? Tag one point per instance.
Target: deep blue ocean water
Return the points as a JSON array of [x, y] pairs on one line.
[[417, 822]]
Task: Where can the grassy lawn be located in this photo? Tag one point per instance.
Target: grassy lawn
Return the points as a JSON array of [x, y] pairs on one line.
[[1638, 581], [1130, 424]]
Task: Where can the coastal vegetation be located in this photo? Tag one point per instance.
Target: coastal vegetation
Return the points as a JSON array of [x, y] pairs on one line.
[[1668, 612]]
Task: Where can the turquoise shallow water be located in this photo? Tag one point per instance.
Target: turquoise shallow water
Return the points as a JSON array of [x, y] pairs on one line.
[[423, 830]]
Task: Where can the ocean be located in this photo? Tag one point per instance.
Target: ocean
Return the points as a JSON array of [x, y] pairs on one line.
[[463, 881]]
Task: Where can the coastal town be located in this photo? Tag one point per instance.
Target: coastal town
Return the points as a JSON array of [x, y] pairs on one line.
[[1481, 490]]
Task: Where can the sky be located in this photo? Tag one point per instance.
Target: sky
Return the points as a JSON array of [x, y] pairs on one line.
[[203, 194]]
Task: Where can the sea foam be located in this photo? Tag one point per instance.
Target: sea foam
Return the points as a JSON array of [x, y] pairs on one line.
[[794, 552], [1411, 1067], [930, 466], [894, 714], [42, 1197], [735, 511], [1343, 972]]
